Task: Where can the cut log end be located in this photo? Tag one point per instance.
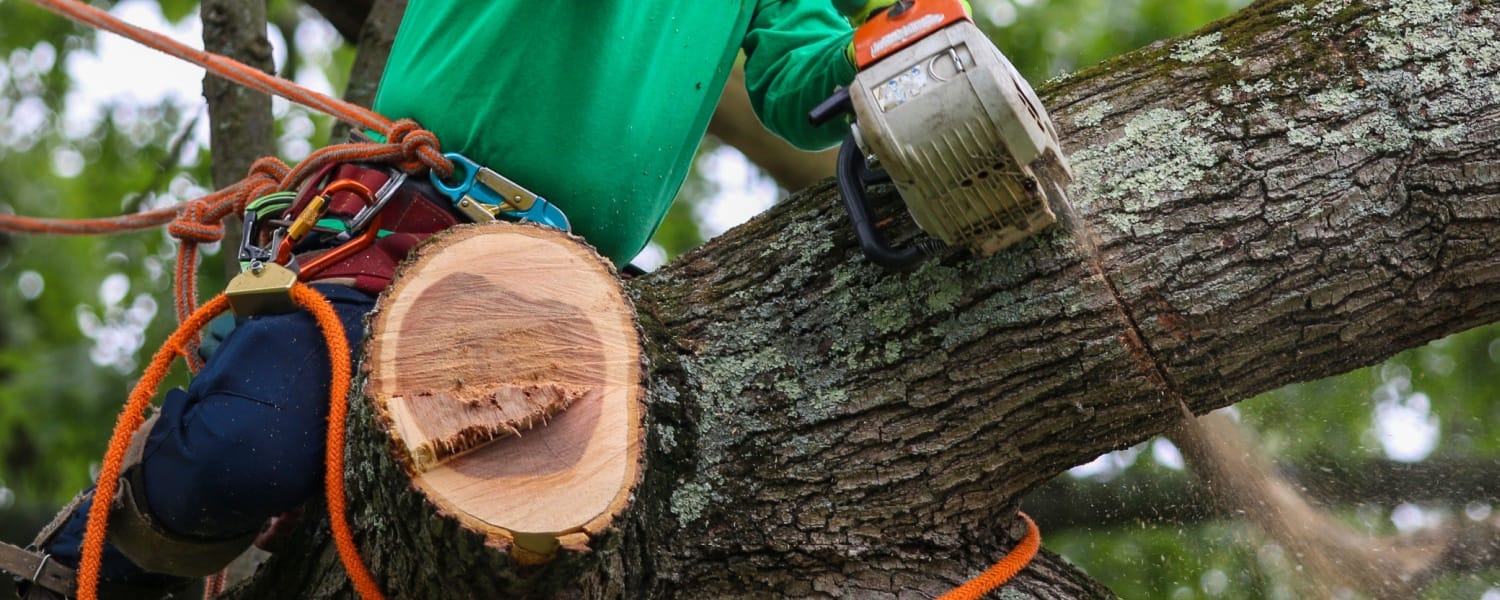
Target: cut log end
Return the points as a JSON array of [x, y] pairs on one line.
[[506, 366]]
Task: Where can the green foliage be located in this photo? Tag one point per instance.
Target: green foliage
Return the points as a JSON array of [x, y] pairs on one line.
[[177, 10], [74, 311], [1326, 422], [1047, 37], [78, 316], [1141, 561]]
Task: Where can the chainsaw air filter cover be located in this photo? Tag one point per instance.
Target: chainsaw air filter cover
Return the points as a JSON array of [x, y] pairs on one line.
[[963, 137]]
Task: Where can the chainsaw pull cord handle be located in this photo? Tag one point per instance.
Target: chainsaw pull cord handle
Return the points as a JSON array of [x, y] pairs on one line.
[[851, 168]]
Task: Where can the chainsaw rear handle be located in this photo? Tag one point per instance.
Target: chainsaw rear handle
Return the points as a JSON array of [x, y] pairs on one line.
[[840, 103], [852, 175]]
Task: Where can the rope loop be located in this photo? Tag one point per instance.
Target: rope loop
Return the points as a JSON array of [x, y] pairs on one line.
[[419, 147], [266, 170], [197, 223]]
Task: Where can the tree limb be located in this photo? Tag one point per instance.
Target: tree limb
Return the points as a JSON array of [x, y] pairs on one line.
[[1300, 190]]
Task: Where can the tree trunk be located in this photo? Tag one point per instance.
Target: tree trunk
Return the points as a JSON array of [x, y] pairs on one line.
[[239, 118], [1300, 190], [379, 21]]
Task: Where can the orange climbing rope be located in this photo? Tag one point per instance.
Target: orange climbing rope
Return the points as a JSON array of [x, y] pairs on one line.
[[333, 459], [1002, 571], [134, 415], [221, 66], [129, 421], [199, 221]]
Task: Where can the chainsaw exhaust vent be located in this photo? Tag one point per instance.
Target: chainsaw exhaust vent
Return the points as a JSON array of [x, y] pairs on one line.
[[963, 137]]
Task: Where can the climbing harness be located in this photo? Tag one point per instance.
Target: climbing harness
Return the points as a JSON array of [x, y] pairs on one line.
[[343, 215], [341, 230]]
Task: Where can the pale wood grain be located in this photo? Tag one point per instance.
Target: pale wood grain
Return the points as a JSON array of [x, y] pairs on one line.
[[507, 367]]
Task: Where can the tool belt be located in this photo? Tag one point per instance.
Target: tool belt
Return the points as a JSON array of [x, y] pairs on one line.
[[405, 212], [354, 223]]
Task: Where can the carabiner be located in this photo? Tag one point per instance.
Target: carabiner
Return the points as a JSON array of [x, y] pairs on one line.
[[481, 188]]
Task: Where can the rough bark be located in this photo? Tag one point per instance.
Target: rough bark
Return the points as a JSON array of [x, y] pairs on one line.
[[240, 129], [1305, 188]]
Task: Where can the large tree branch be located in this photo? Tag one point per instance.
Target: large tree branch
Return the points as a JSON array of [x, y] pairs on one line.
[[1303, 189]]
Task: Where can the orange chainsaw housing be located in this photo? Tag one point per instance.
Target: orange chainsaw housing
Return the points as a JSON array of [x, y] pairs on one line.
[[887, 33]]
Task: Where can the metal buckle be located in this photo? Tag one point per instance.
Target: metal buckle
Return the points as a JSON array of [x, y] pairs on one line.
[[270, 271], [257, 214], [383, 197], [41, 566]]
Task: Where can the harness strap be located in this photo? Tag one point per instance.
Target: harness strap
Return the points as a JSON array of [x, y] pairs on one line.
[[38, 568], [415, 213]]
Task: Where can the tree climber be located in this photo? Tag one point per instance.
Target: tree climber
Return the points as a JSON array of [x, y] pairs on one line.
[[598, 107]]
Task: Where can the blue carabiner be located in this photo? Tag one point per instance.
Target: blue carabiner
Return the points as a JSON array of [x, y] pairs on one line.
[[464, 168], [497, 194]]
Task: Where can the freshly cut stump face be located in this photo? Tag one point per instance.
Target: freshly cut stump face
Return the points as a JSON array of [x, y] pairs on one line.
[[506, 365]]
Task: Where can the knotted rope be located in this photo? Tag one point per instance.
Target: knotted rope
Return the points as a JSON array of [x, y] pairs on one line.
[[134, 415], [200, 221]]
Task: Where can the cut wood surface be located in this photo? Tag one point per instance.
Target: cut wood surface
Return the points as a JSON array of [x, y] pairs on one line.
[[511, 388]]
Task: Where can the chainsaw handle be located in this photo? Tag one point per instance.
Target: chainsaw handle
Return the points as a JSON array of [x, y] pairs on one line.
[[851, 179], [838, 104]]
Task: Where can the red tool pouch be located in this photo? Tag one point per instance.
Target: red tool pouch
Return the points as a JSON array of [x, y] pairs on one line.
[[412, 215]]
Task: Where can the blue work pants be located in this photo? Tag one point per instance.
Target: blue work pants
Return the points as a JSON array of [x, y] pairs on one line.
[[245, 441]]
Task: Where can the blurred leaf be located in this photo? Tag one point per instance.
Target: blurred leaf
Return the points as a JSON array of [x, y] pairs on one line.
[[177, 10]]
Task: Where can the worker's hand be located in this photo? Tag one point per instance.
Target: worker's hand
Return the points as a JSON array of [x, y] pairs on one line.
[[218, 329], [860, 11]]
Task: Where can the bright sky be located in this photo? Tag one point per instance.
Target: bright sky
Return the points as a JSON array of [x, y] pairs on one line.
[[113, 74]]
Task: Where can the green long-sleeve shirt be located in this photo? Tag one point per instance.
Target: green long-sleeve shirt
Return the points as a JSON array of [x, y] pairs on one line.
[[599, 105]]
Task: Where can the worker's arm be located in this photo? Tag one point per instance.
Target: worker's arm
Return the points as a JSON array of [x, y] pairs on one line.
[[794, 60]]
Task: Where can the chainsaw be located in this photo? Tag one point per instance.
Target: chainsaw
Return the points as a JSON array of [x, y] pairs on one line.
[[942, 114]]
